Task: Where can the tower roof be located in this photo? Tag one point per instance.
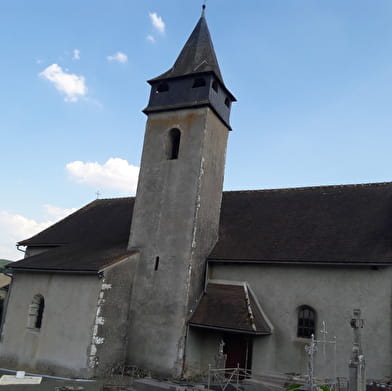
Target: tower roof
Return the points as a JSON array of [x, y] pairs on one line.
[[197, 55]]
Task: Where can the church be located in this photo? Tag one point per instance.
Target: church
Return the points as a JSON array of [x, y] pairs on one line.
[[159, 280]]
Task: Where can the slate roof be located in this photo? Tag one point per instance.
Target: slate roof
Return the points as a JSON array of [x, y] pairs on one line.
[[88, 240], [350, 224], [197, 56], [230, 308]]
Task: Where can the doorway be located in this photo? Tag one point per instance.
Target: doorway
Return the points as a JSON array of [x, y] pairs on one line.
[[238, 348]]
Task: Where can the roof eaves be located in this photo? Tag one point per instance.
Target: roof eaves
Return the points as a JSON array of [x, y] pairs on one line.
[[230, 330], [179, 106], [52, 270], [305, 188], [25, 243], [300, 262]]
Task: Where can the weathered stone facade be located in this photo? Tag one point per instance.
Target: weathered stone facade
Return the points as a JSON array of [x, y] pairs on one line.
[[160, 280]]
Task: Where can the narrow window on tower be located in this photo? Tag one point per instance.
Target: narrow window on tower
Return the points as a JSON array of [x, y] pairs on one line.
[[156, 263], [36, 312], [173, 144]]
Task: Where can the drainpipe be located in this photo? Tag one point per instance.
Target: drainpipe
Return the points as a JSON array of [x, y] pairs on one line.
[[17, 247], [184, 354], [206, 277]]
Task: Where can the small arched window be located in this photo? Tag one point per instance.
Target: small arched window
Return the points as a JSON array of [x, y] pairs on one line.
[[36, 312], [173, 144], [306, 322], [227, 102], [199, 82], [162, 87]]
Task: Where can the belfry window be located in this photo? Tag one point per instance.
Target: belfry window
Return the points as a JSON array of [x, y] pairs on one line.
[[162, 87], [215, 86], [36, 312], [199, 82], [173, 144], [227, 102], [306, 322]]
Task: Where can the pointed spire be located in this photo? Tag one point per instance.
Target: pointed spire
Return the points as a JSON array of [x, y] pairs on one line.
[[197, 55], [194, 80]]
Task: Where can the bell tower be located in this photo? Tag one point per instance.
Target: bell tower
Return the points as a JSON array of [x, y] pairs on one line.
[[176, 214]]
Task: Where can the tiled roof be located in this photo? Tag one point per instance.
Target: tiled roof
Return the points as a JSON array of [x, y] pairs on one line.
[[86, 241], [327, 224], [350, 224], [230, 307]]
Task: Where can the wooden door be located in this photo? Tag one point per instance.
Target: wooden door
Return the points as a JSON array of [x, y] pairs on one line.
[[238, 348]]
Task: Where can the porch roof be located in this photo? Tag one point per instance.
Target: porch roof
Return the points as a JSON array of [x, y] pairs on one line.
[[230, 307]]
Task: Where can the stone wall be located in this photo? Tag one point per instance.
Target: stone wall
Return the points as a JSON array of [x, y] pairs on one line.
[[333, 291], [60, 346]]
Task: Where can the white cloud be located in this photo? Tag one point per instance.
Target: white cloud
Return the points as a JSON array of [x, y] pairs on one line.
[[150, 38], [116, 174], [119, 57], [56, 213], [15, 227], [76, 54], [73, 86], [157, 22]]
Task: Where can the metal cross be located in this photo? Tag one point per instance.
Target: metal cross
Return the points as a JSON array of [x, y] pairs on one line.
[[203, 7], [357, 324], [324, 332], [311, 349], [357, 362], [97, 193]]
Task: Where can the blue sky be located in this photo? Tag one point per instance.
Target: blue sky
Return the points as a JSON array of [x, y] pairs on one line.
[[313, 81]]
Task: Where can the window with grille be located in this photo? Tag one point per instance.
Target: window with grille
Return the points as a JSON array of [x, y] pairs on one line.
[[306, 322]]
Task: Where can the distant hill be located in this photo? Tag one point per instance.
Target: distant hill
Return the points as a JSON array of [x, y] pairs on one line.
[[4, 279], [3, 262]]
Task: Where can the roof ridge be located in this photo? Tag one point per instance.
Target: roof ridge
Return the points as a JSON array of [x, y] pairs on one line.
[[115, 198], [299, 188]]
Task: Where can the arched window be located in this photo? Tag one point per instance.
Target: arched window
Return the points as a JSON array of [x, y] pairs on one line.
[[162, 87], [173, 144], [306, 322], [199, 82], [227, 102], [36, 311]]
